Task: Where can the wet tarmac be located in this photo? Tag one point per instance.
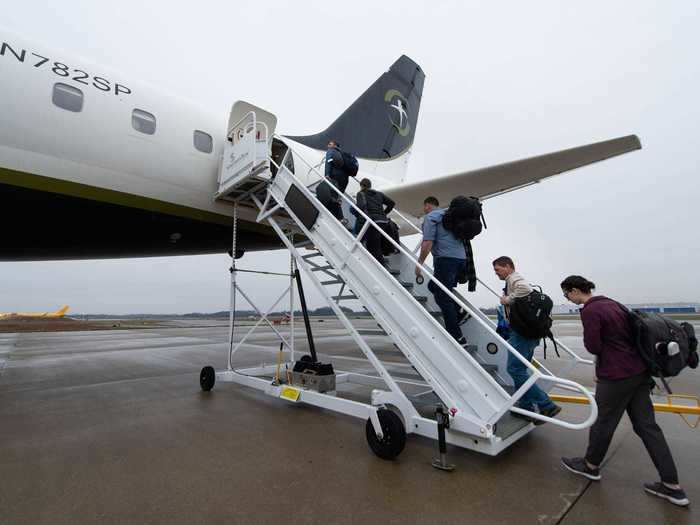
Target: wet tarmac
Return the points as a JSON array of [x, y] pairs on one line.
[[112, 427]]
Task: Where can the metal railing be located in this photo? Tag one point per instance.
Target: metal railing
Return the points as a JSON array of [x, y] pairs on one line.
[[536, 374], [247, 128], [577, 358]]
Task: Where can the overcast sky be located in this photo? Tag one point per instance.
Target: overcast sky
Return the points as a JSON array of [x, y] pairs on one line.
[[505, 80]]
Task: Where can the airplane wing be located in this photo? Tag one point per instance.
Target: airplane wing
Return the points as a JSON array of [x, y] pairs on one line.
[[495, 180]]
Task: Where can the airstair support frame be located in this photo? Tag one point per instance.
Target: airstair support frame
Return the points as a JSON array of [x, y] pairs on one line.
[[482, 323], [472, 396], [392, 306]]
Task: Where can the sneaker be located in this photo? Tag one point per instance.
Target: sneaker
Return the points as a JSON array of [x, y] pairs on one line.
[[675, 496], [462, 342], [549, 412], [580, 467]]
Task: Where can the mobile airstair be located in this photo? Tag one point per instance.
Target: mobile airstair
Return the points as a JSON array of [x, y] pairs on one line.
[[463, 396]]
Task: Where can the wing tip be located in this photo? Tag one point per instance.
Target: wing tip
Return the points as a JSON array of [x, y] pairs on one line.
[[634, 142]]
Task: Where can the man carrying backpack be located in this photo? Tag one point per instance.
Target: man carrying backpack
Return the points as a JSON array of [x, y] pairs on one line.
[[377, 206], [516, 288], [339, 166], [448, 260], [623, 383]]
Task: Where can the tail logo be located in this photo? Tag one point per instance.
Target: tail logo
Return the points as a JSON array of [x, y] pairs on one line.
[[400, 105]]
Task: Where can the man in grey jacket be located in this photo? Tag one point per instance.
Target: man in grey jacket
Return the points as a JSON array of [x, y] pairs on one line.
[[516, 287]]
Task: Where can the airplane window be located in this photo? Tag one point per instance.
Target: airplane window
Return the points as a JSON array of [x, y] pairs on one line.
[[203, 142], [143, 121], [67, 97]]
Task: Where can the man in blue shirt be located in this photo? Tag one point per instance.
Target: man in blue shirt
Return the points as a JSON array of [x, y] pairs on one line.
[[449, 257]]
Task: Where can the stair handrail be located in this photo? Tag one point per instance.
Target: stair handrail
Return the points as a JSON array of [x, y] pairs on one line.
[[255, 123], [536, 374], [573, 354]]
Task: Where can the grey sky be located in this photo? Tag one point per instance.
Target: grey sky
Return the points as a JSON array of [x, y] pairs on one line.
[[503, 82]]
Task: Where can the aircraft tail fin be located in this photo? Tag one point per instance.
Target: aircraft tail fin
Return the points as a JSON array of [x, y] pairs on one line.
[[61, 311], [381, 124]]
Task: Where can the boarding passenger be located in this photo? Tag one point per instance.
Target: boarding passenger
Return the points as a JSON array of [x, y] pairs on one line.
[[449, 258], [337, 175], [376, 206], [623, 383], [517, 287]]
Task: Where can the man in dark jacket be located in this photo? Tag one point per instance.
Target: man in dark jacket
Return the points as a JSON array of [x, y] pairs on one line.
[[338, 177], [623, 384], [376, 206]]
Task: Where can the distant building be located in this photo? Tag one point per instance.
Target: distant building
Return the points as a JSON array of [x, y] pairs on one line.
[[662, 308], [667, 308], [565, 309]]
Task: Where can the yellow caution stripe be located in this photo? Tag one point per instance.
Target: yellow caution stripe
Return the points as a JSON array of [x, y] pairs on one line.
[[658, 407]]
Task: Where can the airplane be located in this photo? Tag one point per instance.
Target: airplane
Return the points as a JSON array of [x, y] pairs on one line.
[[61, 312], [137, 168]]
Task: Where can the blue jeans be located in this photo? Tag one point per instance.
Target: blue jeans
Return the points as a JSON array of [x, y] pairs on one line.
[[445, 270], [519, 372]]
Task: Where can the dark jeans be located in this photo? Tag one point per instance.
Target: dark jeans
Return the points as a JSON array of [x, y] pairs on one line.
[[445, 270], [520, 373], [373, 241], [330, 199], [630, 394]]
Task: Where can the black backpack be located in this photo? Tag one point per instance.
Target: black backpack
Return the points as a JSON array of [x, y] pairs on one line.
[[531, 317], [393, 230], [666, 346], [464, 218], [350, 164]]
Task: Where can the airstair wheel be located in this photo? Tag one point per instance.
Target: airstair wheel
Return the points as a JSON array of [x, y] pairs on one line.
[[207, 378], [394, 439]]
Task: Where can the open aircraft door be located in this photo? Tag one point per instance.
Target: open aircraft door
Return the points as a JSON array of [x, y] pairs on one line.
[[248, 142]]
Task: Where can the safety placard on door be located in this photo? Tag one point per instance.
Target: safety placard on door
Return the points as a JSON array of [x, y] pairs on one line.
[[291, 394]]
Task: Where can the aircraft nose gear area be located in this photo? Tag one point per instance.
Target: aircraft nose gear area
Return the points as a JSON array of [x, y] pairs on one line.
[[452, 393]]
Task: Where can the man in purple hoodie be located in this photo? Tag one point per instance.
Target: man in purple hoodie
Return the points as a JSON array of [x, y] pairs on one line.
[[623, 384]]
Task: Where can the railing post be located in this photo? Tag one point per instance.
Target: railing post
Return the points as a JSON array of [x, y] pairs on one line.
[[232, 302]]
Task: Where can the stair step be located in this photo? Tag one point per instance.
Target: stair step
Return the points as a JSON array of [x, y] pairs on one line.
[[407, 285], [372, 331], [334, 281], [421, 298], [509, 425], [322, 268], [392, 271], [344, 297], [303, 244], [489, 367], [311, 255]]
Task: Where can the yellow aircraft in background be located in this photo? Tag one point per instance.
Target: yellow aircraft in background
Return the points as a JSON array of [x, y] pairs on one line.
[[43, 315]]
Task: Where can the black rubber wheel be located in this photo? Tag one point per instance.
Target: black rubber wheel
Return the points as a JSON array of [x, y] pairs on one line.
[[207, 378], [394, 439], [306, 358]]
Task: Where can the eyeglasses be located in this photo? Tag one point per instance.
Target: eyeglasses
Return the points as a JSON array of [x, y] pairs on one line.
[[566, 295]]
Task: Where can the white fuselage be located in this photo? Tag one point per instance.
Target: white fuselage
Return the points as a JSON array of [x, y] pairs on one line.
[[99, 146]]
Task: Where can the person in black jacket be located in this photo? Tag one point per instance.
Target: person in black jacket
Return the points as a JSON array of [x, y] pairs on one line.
[[376, 205], [336, 174]]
